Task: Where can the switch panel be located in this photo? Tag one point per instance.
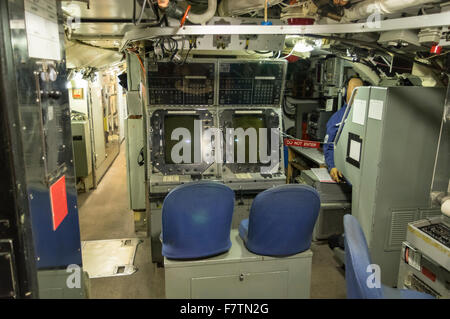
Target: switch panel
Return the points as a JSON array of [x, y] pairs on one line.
[[191, 83], [251, 82]]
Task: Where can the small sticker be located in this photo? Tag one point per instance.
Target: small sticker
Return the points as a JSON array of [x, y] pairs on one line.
[[355, 150], [412, 257], [41, 20], [243, 176], [329, 106], [301, 143], [171, 178], [77, 94], [58, 202], [17, 24], [376, 109], [50, 113], [359, 112]]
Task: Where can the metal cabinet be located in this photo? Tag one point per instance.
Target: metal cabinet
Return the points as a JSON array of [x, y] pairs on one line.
[[240, 274], [386, 150], [81, 148]]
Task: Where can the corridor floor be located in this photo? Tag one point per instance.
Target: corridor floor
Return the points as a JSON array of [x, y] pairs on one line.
[[104, 214]]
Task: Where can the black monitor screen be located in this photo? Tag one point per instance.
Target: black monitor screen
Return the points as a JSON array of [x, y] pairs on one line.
[[171, 122], [246, 121]]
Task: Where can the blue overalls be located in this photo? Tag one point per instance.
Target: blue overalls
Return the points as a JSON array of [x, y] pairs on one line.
[[328, 150], [332, 129]]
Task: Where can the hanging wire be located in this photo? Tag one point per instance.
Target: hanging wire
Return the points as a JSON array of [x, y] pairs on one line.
[[192, 43], [144, 4], [290, 53], [134, 51]]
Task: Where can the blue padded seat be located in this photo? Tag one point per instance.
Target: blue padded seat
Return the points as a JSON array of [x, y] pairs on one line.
[[357, 259], [196, 220], [281, 220]]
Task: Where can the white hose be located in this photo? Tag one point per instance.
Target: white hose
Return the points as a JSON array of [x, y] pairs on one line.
[[445, 206], [366, 8], [205, 16]]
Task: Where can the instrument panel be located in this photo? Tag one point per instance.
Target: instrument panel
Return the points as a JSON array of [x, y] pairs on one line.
[[251, 82], [440, 232], [187, 84], [217, 82]]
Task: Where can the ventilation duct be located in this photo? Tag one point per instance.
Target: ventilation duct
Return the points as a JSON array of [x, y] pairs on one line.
[[364, 9]]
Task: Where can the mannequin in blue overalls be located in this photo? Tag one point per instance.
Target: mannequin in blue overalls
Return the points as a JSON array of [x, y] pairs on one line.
[[332, 129]]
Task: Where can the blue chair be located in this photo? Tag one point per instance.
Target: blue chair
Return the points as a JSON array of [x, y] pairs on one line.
[[357, 259], [196, 220], [281, 220]]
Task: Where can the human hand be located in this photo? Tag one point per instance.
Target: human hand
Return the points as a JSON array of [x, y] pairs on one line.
[[336, 175]]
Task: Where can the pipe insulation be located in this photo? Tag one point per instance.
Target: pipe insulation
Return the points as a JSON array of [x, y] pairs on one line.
[[205, 16], [366, 8], [445, 206]]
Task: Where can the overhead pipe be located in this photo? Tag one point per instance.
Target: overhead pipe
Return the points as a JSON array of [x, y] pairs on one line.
[[113, 20], [445, 206], [366, 8], [205, 16], [443, 199], [173, 10]]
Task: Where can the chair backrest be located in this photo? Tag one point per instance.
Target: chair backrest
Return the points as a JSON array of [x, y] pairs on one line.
[[357, 260], [196, 220], [282, 220]]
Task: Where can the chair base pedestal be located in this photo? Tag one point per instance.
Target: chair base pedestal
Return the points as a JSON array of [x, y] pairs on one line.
[[239, 274]]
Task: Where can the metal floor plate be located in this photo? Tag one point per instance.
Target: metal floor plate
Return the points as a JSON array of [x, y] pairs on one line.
[[108, 258]]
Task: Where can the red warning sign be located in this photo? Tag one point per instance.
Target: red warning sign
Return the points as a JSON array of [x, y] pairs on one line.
[[301, 143], [58, 201]]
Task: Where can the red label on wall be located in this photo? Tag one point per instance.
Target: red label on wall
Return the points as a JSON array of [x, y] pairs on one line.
[[58, 201], [301, 143]]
